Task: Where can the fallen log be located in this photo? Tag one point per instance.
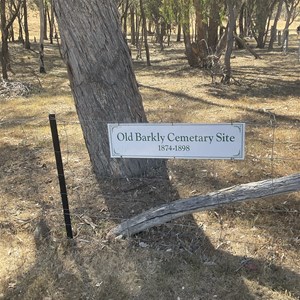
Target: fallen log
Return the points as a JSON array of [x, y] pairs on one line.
[[246, 46], [167, 212]]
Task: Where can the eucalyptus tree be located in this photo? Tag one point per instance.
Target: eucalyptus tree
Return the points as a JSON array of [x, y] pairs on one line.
[[232, 8], [292, 12], [6, 23], [215, 11], [260, 13], [200, 9], [42, 35], [102, 80], [191, 49], [145, 33], [274, 26]]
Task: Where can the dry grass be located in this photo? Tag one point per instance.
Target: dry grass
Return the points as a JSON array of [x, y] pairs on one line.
[[197, 257]]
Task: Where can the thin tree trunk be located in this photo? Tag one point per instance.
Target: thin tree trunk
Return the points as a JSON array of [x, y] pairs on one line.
[[20, 35], [241, 20], [229, 43], [5, 25], [26, 30], [51, 22], [145, 33], [200, 28], [274, 27], [124, 18], [178, 39], [46, 12], [214, 20], [132, 25], [191, 57], [42, 31], [244, 192], [11, 29], [4, 35]]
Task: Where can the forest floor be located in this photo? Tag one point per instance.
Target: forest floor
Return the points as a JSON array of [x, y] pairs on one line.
[[241, 251]]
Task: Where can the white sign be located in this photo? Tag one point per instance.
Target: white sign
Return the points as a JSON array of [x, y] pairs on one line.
[[201, 141]]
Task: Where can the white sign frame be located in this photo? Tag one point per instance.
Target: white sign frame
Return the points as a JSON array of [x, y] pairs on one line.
[[177, 140]]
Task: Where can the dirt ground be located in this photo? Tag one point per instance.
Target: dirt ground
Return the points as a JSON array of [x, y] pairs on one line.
[[241, 251]]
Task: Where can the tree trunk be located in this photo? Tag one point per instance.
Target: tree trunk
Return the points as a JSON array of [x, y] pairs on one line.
[[20, 35], [11, 29], [200, 28], [191, 57], [132, 25], [178, 39], [230, 40], [241, 20], [168, 212], [213, 24], [5, 25], [42, 31], [124, 18], [26, 30], [46, 12], [290, 17], [221, 46], [51, 22], [274, 27], [145, 33], [102, 80], [4, 36]]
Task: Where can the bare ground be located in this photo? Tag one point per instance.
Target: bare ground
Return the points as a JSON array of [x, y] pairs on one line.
[[243, 251]]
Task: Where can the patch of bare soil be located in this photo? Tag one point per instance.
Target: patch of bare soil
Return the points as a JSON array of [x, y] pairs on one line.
[[242, 251]]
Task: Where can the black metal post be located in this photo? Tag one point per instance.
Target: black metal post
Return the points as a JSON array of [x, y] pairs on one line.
[[61, 175]]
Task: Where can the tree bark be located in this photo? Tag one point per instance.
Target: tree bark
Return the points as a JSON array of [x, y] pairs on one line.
[[230, 39], [213, 24], [102, 80], [200, 28], [42, 31], [51, 22], [274, 27], [168, 212], [26, 30], [5, 25], [145, 33], [132, 24], [191, 57], [291, 6], [4, 36], [241, 20]]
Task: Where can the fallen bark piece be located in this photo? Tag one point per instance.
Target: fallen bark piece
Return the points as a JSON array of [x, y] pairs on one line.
[[167, 212]]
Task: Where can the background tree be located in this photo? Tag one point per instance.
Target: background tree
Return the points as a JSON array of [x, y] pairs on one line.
[[263, 11], [42, 32], [291, 15], [214, 21], [5, 26], [231, 7], [191, 51], [26, 30], [274, 26], [144, 22], [102, 79]]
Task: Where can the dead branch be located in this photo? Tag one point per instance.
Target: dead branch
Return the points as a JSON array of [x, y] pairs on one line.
[[246, 46], [167, 212]]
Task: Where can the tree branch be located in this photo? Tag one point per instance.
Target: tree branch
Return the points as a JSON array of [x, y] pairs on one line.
[[167, 212]]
